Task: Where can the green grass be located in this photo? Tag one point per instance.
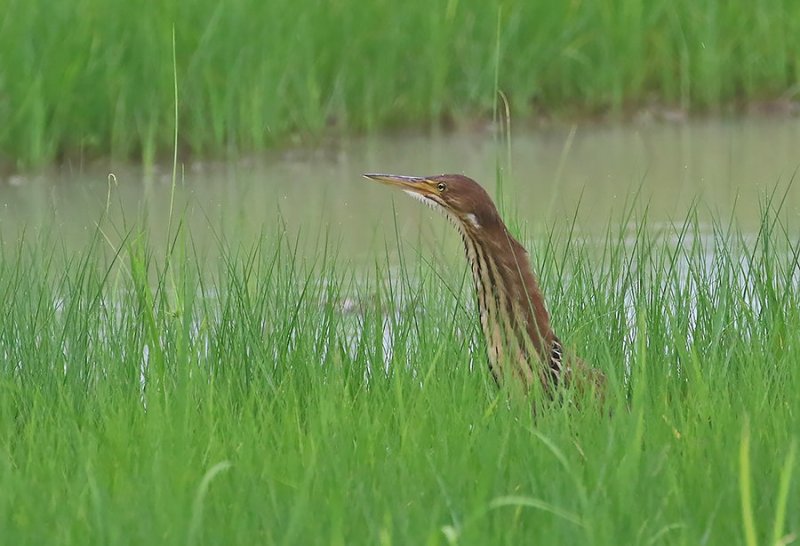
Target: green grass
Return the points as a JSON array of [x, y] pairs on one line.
[[265, 414], [94, 78]]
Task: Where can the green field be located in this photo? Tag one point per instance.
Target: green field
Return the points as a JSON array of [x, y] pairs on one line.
[[161, 386], [87, 79], [171, 399]]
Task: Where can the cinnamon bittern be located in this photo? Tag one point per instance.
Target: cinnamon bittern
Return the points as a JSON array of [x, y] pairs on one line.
[[519, 340]]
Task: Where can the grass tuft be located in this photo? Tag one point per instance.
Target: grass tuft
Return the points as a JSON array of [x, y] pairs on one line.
[[95, 78], [350, 406]]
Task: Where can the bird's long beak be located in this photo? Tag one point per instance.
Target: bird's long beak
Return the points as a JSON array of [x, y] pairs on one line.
[[411, 184]]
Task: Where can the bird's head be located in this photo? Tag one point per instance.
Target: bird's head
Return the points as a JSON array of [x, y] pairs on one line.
[[462, 199]]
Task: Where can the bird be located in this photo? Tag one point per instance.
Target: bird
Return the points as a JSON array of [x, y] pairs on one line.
[[521, 345]]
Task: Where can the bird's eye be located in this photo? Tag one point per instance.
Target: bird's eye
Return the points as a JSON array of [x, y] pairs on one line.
[[441, 186]]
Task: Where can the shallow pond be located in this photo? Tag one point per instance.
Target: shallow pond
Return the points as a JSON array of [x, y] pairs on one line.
[[588, 171], [591, 173]]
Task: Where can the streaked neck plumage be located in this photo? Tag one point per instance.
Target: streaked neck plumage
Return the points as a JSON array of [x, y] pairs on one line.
[[513, 316]]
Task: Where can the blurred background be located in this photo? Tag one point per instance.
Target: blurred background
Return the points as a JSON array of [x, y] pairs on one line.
[[576, 107]]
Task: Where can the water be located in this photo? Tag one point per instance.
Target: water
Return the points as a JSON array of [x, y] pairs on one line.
[[588, 171]]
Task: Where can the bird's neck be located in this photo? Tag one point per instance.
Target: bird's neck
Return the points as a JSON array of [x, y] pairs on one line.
[[514, 317]]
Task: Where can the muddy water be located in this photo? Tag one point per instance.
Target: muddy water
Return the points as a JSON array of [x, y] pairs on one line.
[[590, 171]]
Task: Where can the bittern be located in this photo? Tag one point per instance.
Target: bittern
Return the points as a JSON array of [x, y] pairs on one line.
[[520, 343]]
